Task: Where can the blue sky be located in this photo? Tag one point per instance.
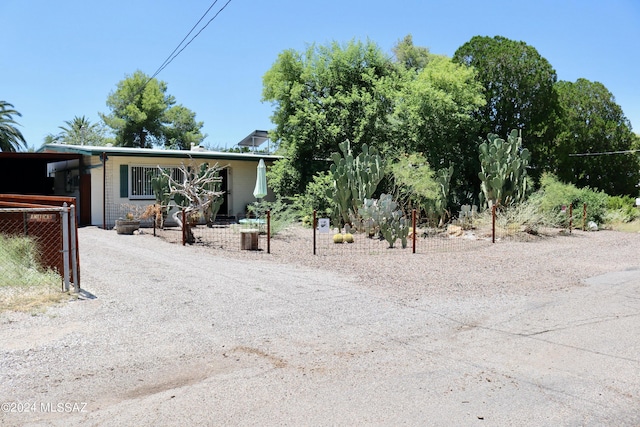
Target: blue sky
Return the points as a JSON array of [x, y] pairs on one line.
[[62, 59]]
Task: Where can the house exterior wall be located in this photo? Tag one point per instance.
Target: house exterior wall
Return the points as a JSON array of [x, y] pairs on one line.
[[241, 177]]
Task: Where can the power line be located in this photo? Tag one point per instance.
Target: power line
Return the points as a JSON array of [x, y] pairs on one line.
[[167, 62], [169, 58], [174, 54], [604, 153]]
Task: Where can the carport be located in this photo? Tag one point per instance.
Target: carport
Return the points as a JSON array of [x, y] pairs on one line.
[[47, 174]]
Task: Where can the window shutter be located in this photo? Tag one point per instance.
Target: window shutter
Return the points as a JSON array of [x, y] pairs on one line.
[[124, 181]]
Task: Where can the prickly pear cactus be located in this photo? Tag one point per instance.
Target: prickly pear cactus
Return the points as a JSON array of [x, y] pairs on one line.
[[355, 178], [389, 221], [503, 170]]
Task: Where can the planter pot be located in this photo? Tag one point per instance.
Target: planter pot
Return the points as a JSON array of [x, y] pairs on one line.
[[127, 226]]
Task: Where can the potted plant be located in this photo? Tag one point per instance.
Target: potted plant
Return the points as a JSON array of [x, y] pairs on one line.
[[127, 225]]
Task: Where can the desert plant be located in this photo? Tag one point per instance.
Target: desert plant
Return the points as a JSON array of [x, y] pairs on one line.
[[337, 238], [416, 185], [348, 238], [555, 194], [354, 178], [382, 215], [503, 170]]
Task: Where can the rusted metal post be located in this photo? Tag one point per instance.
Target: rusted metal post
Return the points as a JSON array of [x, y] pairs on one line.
[[315, 224], [269, 231], [570, 217], [184, 228], [413, 225], [155, 217], [584, 217], [493, 224]]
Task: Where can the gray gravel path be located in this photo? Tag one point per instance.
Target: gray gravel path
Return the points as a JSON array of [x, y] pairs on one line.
[[171, 335]]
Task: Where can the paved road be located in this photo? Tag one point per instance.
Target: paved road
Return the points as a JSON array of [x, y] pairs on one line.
[[186, 339]]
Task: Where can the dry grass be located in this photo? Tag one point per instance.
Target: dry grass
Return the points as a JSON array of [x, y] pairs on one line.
[[24, 284], [30, 299]]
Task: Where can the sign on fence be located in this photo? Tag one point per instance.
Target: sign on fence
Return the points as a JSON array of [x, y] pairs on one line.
[[323, 225]]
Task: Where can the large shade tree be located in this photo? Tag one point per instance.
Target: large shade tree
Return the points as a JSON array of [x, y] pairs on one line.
[[11, 138], [322, 97], [593, 147], [434, 116], [519, 92], [143, 115]]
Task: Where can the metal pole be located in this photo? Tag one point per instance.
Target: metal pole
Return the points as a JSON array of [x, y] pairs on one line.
[[184, 228], [104, 191], [315, 224], [493, 224], [65, 245], [413, 225], [74, 251], [269, 231], [584, 216], [570, 217]]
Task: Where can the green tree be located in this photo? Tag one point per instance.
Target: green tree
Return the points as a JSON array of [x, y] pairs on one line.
[[141, 115], [592, 122], [79, 131], [182, 129], [11, 138], [410, 56], [325, 96], [434, 116], [519, 92]]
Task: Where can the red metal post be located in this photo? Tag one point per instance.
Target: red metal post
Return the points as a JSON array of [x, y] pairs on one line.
[[570, 217], [184, 228], [315, 224], [584, 216], [493, 224], [413, 225]]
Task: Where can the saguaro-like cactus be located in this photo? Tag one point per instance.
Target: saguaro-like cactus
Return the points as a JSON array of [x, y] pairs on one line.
[[504, 169], [355, 178]]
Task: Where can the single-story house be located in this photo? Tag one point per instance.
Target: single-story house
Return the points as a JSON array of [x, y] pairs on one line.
[[116, 178]]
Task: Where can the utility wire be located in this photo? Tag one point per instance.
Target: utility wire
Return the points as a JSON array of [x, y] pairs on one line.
[[605, 153], [164, 65], [169, 58], [174, 54]]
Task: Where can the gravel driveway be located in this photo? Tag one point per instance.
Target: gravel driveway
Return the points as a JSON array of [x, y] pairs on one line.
[[543, 333]]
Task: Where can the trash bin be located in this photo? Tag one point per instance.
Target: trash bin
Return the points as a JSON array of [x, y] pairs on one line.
[[249, 239]]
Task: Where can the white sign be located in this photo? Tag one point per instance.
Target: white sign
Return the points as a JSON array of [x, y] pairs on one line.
[[323, 225], [638, 201]]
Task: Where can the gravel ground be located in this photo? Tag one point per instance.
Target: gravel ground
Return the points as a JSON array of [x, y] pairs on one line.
[[170, 335]]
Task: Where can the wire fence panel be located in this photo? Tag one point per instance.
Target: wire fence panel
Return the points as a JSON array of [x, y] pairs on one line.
[[34, 246], [223, 234]]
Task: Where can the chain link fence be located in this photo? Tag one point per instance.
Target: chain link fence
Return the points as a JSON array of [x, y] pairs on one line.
[[38, 244]]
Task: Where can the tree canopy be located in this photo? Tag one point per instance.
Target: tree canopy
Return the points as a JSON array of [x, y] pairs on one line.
[[323, 97], [519, 91], [592, 123], [143, 115], [11, 138]]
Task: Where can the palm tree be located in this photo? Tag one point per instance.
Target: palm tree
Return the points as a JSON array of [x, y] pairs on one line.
[[10, 137], [80, 131]]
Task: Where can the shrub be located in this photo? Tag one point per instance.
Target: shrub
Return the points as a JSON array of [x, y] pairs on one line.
[[555, 194], [315, 198]]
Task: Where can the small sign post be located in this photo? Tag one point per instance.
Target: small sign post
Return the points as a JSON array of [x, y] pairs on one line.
[[323, 225]]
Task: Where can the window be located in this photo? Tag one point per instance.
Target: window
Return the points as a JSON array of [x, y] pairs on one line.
[[141, 180]]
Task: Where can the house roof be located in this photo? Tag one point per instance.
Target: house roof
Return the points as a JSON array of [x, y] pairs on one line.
[[90, 150]]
